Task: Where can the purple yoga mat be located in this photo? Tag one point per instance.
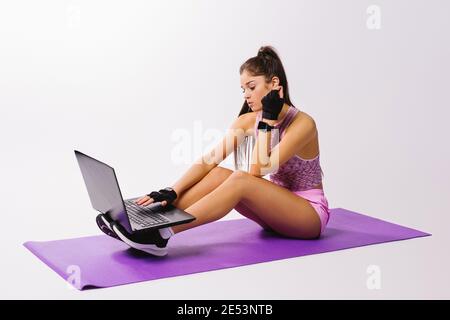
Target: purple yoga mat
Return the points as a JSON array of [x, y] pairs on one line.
[[101, 261]]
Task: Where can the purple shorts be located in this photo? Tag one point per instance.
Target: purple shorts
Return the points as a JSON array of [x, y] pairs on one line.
[[319, 202]]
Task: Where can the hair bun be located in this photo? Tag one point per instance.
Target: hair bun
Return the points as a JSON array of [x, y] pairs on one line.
[[262, 53], [265, 53]]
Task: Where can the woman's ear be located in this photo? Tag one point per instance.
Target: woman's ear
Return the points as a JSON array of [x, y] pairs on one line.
[[275, 81]]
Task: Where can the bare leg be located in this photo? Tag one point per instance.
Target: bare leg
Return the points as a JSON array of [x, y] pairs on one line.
[[286, 213], [204, 187], [214, 205], [211, 181]]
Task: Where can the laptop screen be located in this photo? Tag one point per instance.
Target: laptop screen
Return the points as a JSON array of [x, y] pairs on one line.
[[103, 188]]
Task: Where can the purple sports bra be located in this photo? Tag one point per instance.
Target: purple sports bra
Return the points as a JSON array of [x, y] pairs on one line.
[[296, 174]]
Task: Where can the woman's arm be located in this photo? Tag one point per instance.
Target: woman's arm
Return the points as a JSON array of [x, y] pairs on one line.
[[265, 161], [262, 150], [210, 160], [194, 174]]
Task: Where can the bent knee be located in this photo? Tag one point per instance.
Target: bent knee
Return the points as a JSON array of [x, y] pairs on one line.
[[220, 173]]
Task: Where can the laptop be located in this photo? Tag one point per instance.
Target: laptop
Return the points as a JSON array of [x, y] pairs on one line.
[[104, 193]]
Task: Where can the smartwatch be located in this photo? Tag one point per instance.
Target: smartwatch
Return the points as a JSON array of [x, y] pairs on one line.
[[264, 126]]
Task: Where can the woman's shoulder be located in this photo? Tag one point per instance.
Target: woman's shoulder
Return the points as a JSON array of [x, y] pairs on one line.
[[301, 117], [299, 120]]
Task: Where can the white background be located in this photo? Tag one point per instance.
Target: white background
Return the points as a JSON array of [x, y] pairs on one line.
[[116, 79]]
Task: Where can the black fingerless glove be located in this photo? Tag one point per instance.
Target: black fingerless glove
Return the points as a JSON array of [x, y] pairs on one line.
[[272, 105], [166, 194]]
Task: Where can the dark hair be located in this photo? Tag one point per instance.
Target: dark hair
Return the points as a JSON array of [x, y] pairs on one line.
[[266, 63]]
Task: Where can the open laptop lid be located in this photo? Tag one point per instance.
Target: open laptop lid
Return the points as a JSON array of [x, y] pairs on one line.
[[103, 188]]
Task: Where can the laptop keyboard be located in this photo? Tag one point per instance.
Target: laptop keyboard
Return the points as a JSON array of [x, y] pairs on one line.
[[143, 216]]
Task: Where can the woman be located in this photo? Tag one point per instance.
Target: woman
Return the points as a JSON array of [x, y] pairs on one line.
[[291, 204]]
